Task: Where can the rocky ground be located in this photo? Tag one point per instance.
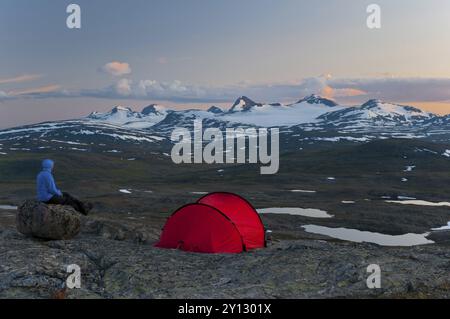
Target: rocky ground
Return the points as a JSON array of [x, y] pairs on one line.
[[118, 260], [115, 247]]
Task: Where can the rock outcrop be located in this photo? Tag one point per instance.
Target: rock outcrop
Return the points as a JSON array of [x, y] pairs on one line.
[[117, 259], [47, 221]]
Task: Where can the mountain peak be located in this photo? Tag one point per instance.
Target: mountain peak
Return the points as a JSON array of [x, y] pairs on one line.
[[394, 108], [120, 108], [93, 114], [243, 103], [317, 99], [118, 115], [372, 103], [153, 109], [215, 109]]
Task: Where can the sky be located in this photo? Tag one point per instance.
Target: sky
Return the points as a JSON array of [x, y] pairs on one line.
[[197, 53]]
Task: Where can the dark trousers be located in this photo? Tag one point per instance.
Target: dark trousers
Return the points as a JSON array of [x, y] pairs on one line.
[[69, 200]]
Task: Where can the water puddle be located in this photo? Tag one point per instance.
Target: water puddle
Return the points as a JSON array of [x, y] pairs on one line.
[[359, 236]]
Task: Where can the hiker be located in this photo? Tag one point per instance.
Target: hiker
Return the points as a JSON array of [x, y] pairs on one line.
[[48, 193]]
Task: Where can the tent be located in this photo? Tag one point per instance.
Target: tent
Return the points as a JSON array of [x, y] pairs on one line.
[[243, 215], [217, 223]]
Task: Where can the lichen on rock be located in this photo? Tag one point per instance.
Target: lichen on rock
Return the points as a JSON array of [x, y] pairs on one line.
[[44, 221]]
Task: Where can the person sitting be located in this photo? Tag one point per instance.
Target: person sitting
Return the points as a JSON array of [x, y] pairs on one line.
[[48, 193]]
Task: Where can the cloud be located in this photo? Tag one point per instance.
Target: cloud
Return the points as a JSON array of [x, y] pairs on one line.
[[178, 91], [32, 91], [116, 68], [332, 93], [356, 90], [399, 89], [175, 91], [3, 96], [47, 91], [123, 87], [345, 91], [20, 78]]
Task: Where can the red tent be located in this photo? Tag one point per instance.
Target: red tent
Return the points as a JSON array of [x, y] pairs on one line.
[[242, 214], [218, 223]]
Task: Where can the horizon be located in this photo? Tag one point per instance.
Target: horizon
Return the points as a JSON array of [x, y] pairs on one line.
[[207, 54], [226, 106], [222, 106]]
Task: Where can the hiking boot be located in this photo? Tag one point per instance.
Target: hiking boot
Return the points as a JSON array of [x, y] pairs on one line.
[[88, 207], [84, 208]]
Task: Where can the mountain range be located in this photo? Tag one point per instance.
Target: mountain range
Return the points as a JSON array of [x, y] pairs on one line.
[[313, 109], [310, 120]]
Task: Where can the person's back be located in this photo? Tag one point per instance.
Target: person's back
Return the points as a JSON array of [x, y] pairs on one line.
[[45, 182], [48, 193]]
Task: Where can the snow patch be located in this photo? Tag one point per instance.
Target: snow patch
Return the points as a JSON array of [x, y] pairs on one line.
[[419, 202], [446, 227], [405, 197], [302, 191], [8, 207], [297, 211]]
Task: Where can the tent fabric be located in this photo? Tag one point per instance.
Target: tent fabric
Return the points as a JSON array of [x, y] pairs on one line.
[[242, 214], [201, 228]]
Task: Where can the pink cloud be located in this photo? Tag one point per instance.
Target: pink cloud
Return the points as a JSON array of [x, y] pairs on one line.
[[20, 78], [330, 92], [116, 68], [42, 89]]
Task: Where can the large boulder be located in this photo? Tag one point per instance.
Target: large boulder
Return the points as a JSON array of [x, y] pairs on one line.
[[48, 221]]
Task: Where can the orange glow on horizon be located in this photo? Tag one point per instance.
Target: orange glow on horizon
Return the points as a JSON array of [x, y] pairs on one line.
[[440, 108]]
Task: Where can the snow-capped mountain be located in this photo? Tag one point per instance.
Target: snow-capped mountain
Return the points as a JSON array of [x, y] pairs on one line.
[[126, 117], [316, 99], [154, 109], [118, 115], [243, 112], [312, 111], [243, 104], [376, 113], [306, 110], [215, 109], [307, 121]]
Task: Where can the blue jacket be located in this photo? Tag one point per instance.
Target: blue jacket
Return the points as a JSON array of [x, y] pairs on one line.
[[46, 187]]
